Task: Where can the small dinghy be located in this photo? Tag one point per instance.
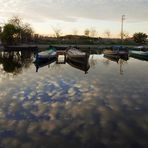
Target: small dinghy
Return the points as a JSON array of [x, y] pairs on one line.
[[141, 55], [78, 59], [76, 55], [45, 55]]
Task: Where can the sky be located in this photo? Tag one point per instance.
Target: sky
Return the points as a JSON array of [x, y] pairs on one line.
[[77, 15]]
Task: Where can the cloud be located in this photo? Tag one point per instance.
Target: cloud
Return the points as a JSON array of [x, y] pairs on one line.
[[70, 11]]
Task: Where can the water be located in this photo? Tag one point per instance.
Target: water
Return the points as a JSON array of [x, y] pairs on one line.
[[61, 106]]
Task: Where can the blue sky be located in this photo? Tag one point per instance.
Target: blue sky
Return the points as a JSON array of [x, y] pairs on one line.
[[70, 15]]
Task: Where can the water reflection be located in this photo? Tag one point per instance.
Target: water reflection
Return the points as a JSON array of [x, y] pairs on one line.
[[81, 63], [121, 60], [39, 65], [14, 62], [62, 107]]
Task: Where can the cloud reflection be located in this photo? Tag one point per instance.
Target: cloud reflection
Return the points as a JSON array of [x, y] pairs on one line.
[[51, 110]]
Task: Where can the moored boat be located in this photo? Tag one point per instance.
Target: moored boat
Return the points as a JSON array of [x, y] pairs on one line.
[[117, 52], [78, 59], [76, 55], [45, 55], [139, 55]]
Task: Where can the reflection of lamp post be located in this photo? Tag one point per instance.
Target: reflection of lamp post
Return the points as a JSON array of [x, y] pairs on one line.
[[122, 34]]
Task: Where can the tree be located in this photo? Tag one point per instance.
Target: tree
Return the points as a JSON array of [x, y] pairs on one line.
[[87, 32], [0, 29], [57, 31], [15, 31], [140, 37], [0, 33], [9, 34], [26, 32], [126, 35], [107, 33]]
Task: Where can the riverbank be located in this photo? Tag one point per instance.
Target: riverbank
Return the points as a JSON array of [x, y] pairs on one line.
[[41, 47]]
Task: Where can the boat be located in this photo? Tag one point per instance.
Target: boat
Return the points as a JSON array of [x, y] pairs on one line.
[[79, 65], [41, 64], [76, 55], [116, 51], [141, 55], [45, 56], [140, 48], [116, 58], [78, 59]]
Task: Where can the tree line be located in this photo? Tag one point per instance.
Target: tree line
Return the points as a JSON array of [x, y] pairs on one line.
[[15, 31]]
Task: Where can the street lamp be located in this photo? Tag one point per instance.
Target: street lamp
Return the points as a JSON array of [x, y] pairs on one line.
[[122, 34]]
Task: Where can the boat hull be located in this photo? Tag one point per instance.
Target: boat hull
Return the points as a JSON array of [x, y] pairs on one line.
[[78, 59], [77, 56], [139, 55], [45, 56]]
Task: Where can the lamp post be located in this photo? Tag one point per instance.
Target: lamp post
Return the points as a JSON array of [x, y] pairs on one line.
[[122, 34]]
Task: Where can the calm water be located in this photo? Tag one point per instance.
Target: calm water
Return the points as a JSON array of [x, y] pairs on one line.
[[61, 106]]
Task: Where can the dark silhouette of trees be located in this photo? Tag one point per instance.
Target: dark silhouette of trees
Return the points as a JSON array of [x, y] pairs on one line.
[[9, 34], [140, 37], [15, 31]]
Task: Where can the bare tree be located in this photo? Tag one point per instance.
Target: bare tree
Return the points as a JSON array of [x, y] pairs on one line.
[[125, 34], [93, 32], [107, 33], [57, 31], [16, 21], [87, 32]]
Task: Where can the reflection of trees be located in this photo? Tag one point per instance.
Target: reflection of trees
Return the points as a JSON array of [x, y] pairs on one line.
[[14, 62]]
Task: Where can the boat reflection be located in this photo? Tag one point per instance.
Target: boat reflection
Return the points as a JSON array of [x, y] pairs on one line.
[[83, 65], [41, 64], [121, 60], [116, 58]]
